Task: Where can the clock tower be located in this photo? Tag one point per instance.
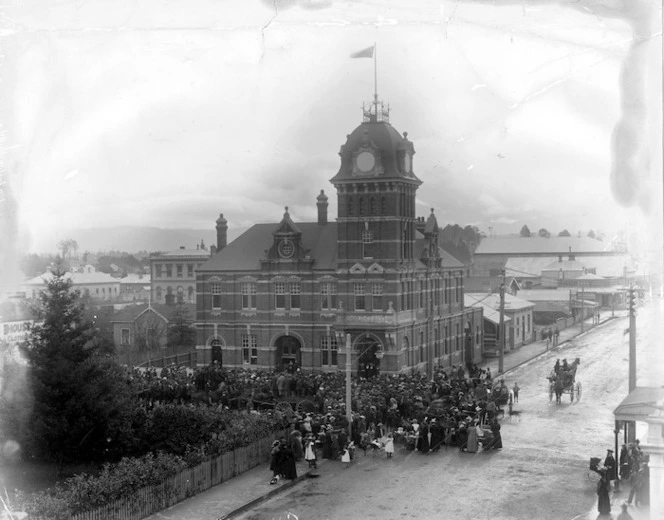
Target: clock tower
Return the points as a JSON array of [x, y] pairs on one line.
[[376, 190]]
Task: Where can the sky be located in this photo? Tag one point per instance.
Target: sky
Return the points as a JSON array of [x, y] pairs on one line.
[[169, 112]]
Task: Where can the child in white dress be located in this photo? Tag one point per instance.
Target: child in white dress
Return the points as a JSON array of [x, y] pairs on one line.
[[345, 457], [389, 445]]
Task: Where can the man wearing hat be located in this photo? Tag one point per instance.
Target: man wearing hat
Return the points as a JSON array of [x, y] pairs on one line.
[[610, 465]]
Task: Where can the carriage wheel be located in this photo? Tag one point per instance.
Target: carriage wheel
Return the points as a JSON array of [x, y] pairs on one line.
[[578, 390], [305, 406], [571, 394], [284, 407]]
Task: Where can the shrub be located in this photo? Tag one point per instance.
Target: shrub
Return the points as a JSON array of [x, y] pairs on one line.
[[198, 434]]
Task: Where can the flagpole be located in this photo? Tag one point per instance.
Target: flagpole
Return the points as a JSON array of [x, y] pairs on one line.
[[376, 80]]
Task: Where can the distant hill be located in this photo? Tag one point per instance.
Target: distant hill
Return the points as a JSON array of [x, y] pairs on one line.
[[132, 239]]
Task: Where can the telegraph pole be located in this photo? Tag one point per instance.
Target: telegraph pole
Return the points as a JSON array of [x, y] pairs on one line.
[[632, 338], [349, 401], [583, 314], [501, 326]]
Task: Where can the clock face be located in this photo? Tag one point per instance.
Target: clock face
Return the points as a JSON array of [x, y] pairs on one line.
[[365, 161], [286, 248], [407, 163]]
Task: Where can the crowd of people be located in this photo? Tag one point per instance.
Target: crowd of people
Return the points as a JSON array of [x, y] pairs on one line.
[[456, 408], [632, 467]]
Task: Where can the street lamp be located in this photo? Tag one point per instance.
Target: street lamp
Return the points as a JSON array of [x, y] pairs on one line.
[[349, 408]]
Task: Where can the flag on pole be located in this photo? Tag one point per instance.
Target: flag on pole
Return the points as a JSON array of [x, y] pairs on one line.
[[364, 53]]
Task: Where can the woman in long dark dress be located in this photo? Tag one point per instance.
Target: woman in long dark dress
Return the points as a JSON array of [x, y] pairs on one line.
[[497, 442], [288, 466], [603, 498]]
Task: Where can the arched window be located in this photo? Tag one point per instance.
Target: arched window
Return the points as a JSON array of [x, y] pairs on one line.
[[350, 207], [190, 294]]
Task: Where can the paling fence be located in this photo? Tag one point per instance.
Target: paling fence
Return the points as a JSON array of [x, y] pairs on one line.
[[152, 499]]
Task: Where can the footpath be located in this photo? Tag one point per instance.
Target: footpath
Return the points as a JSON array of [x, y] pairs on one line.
[[239, 494]]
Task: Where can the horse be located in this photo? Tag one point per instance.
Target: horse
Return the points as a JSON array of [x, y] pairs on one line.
[[558, 388]]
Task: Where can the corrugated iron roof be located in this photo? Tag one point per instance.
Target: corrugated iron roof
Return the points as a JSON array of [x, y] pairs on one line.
[[639, 404], [540, 245], [77, 278], [493, 301], [565, 265], [181, 252]]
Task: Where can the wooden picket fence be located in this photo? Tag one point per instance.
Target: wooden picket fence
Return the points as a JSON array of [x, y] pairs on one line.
[[152, 499]]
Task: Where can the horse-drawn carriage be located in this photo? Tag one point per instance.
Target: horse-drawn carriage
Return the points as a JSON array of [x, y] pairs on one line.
[[564, 382]]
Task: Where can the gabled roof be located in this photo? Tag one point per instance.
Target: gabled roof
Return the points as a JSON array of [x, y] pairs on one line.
[[540, 245], [131, 312], [77, 278], [202, 253], [590, 276], [527, 266], [447, 259], [246, 251], [131, 279], [546, 295], [565, 265], [489, 313], [512, 303]]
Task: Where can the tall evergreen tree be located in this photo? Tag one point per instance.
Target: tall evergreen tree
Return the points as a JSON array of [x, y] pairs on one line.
[[81, 400]]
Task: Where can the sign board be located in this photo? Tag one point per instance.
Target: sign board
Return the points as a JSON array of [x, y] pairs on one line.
[[13, 332]]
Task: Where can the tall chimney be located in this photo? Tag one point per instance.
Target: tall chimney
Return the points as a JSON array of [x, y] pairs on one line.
[[322, 207], [222, 229]]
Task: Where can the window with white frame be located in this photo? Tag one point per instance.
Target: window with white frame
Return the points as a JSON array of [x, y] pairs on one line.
[[249, 349], [367, 241], [169, 270], [329, 350], [294, 295], [358, 292], [279, 295], [248, 295], [328, 295], [377, 296], [215, 289], [190, 270], [178, 270]]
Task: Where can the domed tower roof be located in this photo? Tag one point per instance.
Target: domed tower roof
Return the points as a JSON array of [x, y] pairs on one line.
[[376, 150]]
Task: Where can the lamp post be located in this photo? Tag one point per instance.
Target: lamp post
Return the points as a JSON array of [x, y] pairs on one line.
[[349, 362], [349, 410]]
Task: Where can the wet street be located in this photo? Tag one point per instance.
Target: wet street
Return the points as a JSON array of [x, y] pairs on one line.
[[540, 473]]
